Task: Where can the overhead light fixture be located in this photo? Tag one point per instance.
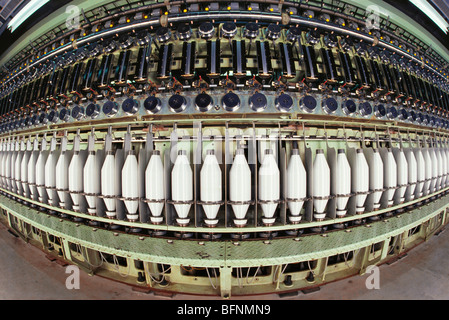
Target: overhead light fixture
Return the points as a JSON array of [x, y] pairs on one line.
[[25, 13], [430, 11]]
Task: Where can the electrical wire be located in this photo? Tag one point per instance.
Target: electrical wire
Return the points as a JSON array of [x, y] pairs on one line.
[[152, 276], [210, 280]]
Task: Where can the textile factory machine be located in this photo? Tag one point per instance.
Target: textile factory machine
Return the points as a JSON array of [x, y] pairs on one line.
[[227, 147]]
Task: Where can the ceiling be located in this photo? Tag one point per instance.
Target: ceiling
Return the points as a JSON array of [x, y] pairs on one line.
[[442, 6], [9, 8], [419, 17]]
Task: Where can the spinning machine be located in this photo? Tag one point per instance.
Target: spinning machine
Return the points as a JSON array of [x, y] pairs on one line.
[[225, 148]]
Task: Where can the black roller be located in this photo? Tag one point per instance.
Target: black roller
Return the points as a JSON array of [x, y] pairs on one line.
[[231, 101], [229, 29], [251, 30], [419, 118], [43, 118], [110, 108], [130, 106], [307, 103], [392, 113], [34, 119], [258, 102], [349, 107], [313, 37], [109, 45], [125, 41], [293, 33], [380, 111], [177, 103], [437, 122], [203, 102], [184, 31], [142, 37], [163, 34], [330, 40], [284, 102], [365, 109], [206, 30], [273, 31], [152, 104], [329, 105], [92, 110], [77, 112], [64, 114]]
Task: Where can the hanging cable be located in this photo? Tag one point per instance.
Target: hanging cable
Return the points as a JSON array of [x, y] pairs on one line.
[[210, 280]]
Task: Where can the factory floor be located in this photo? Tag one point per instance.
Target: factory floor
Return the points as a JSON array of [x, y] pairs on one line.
[[27, 274]]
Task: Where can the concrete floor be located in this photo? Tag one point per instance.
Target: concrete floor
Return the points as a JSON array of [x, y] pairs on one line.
[[27, 274]]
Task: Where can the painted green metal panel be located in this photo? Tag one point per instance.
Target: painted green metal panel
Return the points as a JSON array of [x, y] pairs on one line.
[[226, 253], [256, 253], [122, 244]]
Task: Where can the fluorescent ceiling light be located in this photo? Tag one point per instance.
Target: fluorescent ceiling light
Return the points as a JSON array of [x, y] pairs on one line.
[[25, 13], [429, 11]]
